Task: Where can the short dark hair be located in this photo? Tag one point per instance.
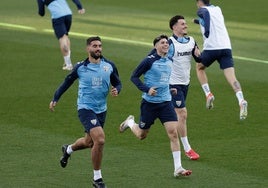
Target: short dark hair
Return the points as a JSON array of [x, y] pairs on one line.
[[174, 20], [206, 2], [157, 39], [94, 38]]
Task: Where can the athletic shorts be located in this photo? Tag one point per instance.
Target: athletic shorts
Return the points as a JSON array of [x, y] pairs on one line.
[[224, 58], [90, 119], [179, 99], [151, 111], [62, 25]]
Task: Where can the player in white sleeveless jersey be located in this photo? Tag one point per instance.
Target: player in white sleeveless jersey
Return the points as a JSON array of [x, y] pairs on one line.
[[182, 49], [217, 47]]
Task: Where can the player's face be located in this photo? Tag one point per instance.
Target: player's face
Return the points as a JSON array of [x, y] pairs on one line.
[[180, 28], [162, 47], [94, 49]]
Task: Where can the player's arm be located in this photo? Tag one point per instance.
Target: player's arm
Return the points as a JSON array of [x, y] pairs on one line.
[[79, 6], [171, 50], [69, 80], [196, 53], [115, 81], [41, 7], [140, 70], [204, 15]]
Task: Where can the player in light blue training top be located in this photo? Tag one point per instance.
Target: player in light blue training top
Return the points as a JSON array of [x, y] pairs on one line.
[[156, 102], [96, 76], [61, 16], [216, 47]]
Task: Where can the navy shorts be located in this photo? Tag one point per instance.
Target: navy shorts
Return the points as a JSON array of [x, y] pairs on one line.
[[179, 99], [62, 25], [224, 58], [151, 111], [90, 119]]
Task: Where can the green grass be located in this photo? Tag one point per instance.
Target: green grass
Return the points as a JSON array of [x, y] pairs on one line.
[[233, 153]]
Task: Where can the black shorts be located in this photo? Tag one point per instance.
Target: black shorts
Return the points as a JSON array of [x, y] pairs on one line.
[[62, 25], [179, 100], [151, 111], [223, 56], [90, 119]]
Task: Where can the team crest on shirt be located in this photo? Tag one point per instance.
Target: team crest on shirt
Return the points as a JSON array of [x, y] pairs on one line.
[[93, 121], [178, 103], [105, 68]]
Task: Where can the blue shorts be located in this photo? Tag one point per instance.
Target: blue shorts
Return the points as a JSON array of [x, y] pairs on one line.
[[151, 111], [90, 119], [62, 25], [224, 58], [179, 100]]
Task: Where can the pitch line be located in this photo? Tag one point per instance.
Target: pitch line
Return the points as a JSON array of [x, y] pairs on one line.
[[22, 27]]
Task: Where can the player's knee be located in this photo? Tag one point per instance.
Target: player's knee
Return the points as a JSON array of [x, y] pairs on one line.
[[142, 136]]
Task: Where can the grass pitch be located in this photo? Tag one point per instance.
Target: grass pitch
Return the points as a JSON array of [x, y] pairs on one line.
[[233, 153]]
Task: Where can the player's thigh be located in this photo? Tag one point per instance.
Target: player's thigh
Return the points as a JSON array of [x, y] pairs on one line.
[[226, 59], [59, 27]]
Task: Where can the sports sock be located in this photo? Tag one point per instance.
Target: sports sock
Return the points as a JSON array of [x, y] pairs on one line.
[[185, 144], [176, 159], [131, 123], [69, 149], [239, 96], [97, 174], [206, 89], [67, 59]]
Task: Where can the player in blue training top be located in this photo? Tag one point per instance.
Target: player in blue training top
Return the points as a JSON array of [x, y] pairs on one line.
[[216, 47], [156, 103], [61, 16], [96, 75]]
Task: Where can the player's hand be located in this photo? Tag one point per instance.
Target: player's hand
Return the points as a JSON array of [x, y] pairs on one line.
[[197, 52], [81, 11], [173, 91], [152, 91], [52, 105], [114, 92]]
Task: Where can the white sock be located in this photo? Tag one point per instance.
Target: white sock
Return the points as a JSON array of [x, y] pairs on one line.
[[239, 96], [67, 59], [176, 159], [206, 89], [97, 174], [69, 149], [185, 144], [131, 123]]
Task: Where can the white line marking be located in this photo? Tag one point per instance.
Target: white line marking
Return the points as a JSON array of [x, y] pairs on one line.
[[113, 39]]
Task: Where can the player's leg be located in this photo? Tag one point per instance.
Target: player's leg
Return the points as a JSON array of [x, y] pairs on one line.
[[147, 117], [61, 32], [231, 78], [175, 148], [179, 102], [203, 80], [168, 118], [226, 63]]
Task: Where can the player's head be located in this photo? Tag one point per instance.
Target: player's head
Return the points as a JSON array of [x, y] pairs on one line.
[[161, 44], [94, 47], [174, 20], [160, 37], [205, 2], [91, 39]]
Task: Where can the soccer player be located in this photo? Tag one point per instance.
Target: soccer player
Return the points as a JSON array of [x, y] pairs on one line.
[[181, 50], [95, 75], [156, 102], [61, 16], [217, 46]]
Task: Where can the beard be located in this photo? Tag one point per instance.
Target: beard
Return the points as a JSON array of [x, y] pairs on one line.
[[96, 55]]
